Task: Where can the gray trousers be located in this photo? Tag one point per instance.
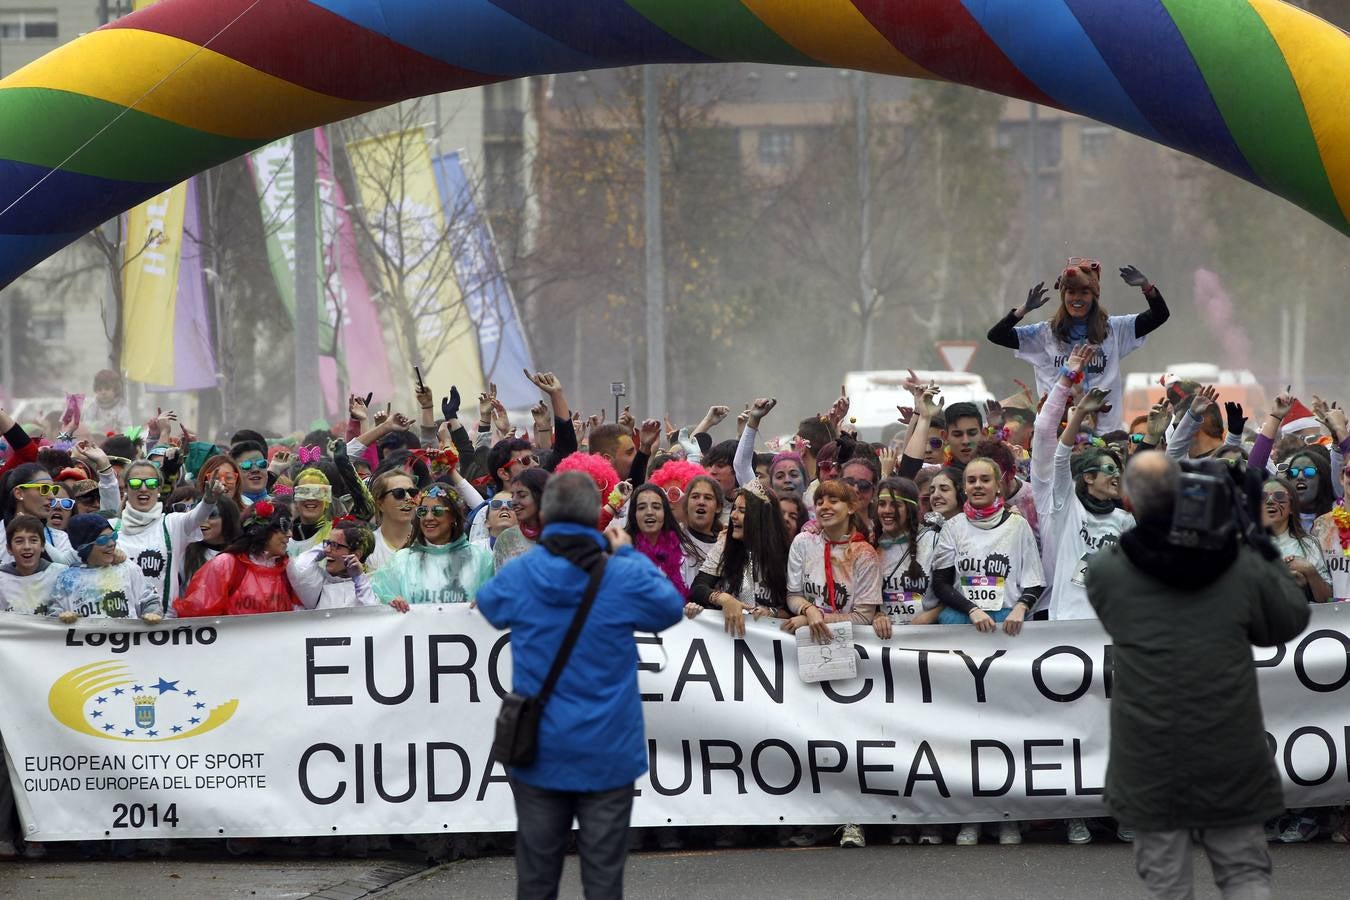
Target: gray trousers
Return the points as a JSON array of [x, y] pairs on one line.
[[1238, 856], [543, 824]]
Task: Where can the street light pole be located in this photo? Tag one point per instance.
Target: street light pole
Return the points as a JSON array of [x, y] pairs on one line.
[[656, 268]]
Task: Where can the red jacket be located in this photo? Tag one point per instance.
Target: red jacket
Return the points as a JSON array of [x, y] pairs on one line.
[[232, 585], [22, 449]]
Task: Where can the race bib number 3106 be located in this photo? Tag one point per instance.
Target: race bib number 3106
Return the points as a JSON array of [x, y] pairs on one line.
[[985, 591]]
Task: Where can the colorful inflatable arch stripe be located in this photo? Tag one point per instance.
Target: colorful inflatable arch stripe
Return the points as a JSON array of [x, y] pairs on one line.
[[1256, 87]]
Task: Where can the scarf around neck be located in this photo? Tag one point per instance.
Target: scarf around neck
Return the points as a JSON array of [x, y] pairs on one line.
[[134, 521], [1092, 504], [986, 518], [668, 555], [854, 538]]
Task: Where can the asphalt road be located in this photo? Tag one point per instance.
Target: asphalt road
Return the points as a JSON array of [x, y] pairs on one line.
[[1040, 869]]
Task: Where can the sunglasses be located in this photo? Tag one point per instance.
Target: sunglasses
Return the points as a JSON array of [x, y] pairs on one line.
[[1298, 471], [334, 545], [497, 503], [1137, 438], [150, 484], [104, 540], [532, 460], [1280, 497], [400, 493], [1084, 261], [674, 493], [863, 485], [437, 511], [62, 503], [258, 464], [935, 443], [45, 488], [1105, 469], [88, 497]]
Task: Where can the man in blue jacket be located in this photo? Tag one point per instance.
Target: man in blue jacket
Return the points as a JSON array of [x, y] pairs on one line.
[[592, 746]]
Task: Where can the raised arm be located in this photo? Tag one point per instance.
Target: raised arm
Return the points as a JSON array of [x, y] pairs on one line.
[[744, 462], [1157, 312], [1180, 446], [1004, 332]]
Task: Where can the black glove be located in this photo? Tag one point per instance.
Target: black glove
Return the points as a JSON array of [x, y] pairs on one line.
[[1237, 422], [337, 449], [450, 405]]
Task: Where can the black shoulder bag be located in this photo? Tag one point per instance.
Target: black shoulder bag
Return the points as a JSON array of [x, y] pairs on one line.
[[516, 742]]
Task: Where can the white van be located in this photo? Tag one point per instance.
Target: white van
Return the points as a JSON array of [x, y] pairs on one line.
[[874, 396]]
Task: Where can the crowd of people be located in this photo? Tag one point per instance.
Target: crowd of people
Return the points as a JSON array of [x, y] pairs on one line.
[[978, 514]]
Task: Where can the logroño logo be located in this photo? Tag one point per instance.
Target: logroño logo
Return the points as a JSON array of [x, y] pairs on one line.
[[105, 700]]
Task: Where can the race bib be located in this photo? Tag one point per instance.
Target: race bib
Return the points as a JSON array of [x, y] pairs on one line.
[[1080, 571], [985, 591], [901, 606]]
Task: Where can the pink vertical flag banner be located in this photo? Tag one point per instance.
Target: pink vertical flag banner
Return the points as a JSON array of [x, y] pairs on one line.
[[359, 333]]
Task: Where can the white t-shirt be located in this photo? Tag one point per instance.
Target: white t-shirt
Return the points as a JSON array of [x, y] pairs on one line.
[[857, 575], [147, 548], [994, 566], [106, 592], [749, 592], [319, 590], [28, 594], [1335, 556], [1038, 345], [902, 596], [1307, 549], [382, 554]]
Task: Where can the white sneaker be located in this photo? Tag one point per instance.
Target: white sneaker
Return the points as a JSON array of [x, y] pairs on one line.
[[1078, 832], [969, 835], [1126, 835], [930, 834], [853, 837], [1009, 833]]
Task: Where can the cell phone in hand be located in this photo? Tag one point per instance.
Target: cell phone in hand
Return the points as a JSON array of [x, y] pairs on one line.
[[417, 370]]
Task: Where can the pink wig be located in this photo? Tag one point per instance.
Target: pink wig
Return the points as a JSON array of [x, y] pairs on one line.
[[676, 472], [594, 465], [788, 456]]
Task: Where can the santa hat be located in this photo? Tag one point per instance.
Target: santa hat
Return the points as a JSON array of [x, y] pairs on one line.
[[1299, 418], [1083, 275]]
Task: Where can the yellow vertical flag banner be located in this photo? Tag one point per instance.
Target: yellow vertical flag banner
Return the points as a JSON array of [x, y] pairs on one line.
[[402, 210], [151, 253]]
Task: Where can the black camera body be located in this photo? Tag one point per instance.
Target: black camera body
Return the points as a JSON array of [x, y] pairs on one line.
[[1217, 504]]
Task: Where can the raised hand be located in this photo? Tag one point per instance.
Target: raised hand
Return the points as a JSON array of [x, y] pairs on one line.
[[1204, 398], [1283, 403], [383, 415], [450, 405], [485, 407], [1094, 401], [887, 457], [94, 455], [716, 415], [356, 408], [759, 409], [540, 414], [423, 396], [1134, 278], [1159, 417], [839, 409], [545, 381], [1331, 416], [1037, 297], [1237, 422], [649, 435], [400, 422], [1079, 356], [626, 421], [929, 402]]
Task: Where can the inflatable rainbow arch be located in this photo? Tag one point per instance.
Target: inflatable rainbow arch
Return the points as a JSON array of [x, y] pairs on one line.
[[1256, 87]]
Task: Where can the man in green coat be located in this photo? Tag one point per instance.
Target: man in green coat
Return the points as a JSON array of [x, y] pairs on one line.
[[1188, 747]]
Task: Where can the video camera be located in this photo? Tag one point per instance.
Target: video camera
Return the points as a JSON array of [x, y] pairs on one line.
[[1216, 504]]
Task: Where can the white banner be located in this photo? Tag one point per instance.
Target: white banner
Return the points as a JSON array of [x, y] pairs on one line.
[[368, 721]]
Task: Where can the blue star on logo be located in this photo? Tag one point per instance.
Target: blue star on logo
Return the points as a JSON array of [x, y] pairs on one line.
[[117, 692], [102, 700], [109, 727], [192, 693], [137, 687], [177, 728], [165, 686], [194, 721], [96, 713], [127, 732], [153, 733], [199, 706]]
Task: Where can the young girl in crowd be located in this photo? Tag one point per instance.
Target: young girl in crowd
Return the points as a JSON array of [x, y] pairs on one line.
[[746, 571], [1299, 550], [1080, 318], [906, 548], [527, 491], [98, 586], [220, 529], [395, 495], [792, 509], [153, 539], [250, 575], [657, 536], [331, 576], [440, 566], [703, 501], [27, 583], [225, 470]]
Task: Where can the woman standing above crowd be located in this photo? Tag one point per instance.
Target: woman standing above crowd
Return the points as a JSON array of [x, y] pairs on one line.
[[1081, 317]]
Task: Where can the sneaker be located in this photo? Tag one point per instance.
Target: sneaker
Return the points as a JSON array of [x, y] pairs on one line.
[[1009, 833], [1124, 835], [1078, 832], [1299, 831], [969, 835], [903, 834], [853, 836], [802, 837], [930, 834], [1273, 829]]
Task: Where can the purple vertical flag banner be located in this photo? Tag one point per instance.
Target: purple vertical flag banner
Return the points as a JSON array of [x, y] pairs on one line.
[[487, 295], [194, 359]]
